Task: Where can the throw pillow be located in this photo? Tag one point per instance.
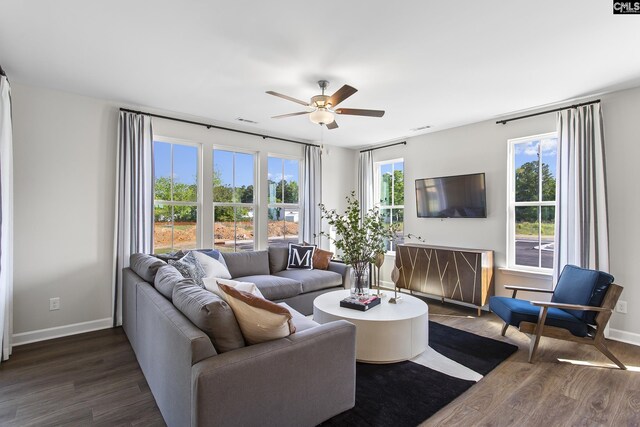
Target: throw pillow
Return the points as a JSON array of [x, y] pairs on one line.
[[168, 278], [210, 314], [215, 254], [300, 257], [321, 258], [260, 320], [211, 266], [212, 284], [189, 267]]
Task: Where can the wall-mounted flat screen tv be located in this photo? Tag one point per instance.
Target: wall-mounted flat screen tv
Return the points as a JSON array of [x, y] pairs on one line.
[[460, 196]]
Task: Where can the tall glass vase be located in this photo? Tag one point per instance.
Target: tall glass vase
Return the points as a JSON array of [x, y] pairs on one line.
[[360, 279]]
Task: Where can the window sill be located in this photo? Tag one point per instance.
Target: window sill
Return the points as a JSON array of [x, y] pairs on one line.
[[526, 273]]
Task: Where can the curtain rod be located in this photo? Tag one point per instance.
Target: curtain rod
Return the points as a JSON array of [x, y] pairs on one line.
[[384, 146], [209, 126], [505, 121]]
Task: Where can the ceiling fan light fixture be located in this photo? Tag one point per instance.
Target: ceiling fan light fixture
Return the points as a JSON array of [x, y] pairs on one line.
[[321, 116]]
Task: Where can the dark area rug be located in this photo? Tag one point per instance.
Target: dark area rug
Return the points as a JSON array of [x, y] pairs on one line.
[[406, 393]]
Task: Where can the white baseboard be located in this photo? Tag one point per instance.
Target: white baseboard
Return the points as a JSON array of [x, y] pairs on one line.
[[61, 331], [624, 336]]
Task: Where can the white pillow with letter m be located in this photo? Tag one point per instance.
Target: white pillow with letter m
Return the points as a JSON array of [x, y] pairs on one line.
[[300, 257]]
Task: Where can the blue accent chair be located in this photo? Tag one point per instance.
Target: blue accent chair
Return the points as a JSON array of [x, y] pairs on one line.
[[579, 311]]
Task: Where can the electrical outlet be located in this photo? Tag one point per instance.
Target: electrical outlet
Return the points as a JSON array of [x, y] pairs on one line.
[[54, 303], [621, 307]]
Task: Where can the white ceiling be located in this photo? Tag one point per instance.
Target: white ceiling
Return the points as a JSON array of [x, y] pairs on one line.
[[426, 63]]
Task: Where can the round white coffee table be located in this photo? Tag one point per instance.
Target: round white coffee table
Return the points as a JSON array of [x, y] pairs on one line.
[[385, 333]]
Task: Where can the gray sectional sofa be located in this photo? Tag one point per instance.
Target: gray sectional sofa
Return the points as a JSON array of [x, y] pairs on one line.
[[298, 288], [300, 380]]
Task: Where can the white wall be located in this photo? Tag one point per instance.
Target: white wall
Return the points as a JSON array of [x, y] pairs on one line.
[[482, 147], [65, 160]]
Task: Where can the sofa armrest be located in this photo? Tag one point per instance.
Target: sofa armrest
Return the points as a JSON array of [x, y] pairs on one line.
[[303, 379], [342, 269]]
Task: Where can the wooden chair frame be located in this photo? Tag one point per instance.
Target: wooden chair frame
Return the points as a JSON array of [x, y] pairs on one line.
[[595, 335]]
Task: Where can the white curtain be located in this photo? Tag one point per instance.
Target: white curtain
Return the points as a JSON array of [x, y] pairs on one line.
[[365, 182], [134, 197], [6, 217], [311, 193], [582, 229]]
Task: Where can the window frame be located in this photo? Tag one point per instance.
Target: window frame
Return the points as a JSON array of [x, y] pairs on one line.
[[283, 205], [377, 166], [256, 194], [199, 193], [512, 204]]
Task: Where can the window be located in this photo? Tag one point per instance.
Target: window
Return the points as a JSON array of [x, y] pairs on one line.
[[284, 201], [532, 202], [176, 197], [389, 190], [233, 200]]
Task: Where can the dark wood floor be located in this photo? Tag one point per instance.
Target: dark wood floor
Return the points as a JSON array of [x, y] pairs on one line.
[[94, 379], [87, 379]]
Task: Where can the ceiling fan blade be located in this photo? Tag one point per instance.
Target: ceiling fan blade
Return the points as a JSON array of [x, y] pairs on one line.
[[270, 92], [341, 94], [282, 116], [332, 125], [360, 112]]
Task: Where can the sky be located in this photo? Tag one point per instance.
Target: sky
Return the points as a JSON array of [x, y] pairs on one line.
[[185, 165], [526, 152]]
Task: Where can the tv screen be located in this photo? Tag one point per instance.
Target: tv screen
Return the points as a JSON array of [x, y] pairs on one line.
[[460, 196]]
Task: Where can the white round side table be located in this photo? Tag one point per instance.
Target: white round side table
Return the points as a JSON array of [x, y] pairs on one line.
[[385, 333]]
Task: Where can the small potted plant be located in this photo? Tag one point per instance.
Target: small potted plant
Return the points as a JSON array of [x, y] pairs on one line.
[[358, 239]]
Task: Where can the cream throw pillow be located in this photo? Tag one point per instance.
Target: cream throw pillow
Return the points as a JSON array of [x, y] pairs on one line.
[[211, 266], [260, 320], [211, 284]]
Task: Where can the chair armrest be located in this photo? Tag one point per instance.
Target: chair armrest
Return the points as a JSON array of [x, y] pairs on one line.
[[568, 306], [515, 290], [303, 379]]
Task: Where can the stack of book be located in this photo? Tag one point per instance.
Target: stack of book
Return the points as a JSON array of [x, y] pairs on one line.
[[360, 303]]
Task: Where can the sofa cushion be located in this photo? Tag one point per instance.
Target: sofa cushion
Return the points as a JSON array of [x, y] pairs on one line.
[[167, 278], [313, 280], [300, 321], [145, 266], [273, 287], [583, 287], [260, 320], [211, 266], [241, 264], [210, 314], [212, 284], [300, 257], [278, 256], [321, 259], [190, 268], [513, 311]]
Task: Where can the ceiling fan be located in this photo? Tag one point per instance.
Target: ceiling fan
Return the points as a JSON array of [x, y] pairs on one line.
[[324, 106]]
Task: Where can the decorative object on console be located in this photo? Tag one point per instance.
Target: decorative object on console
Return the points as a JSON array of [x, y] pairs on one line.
[[379, 260], [300, 257], [324, 106], [358, 238]]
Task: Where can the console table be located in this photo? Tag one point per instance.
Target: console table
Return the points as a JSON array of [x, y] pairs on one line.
[[458, 274]]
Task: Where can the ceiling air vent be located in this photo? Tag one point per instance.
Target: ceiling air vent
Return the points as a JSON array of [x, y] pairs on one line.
[[240, 119], [420, 128]]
